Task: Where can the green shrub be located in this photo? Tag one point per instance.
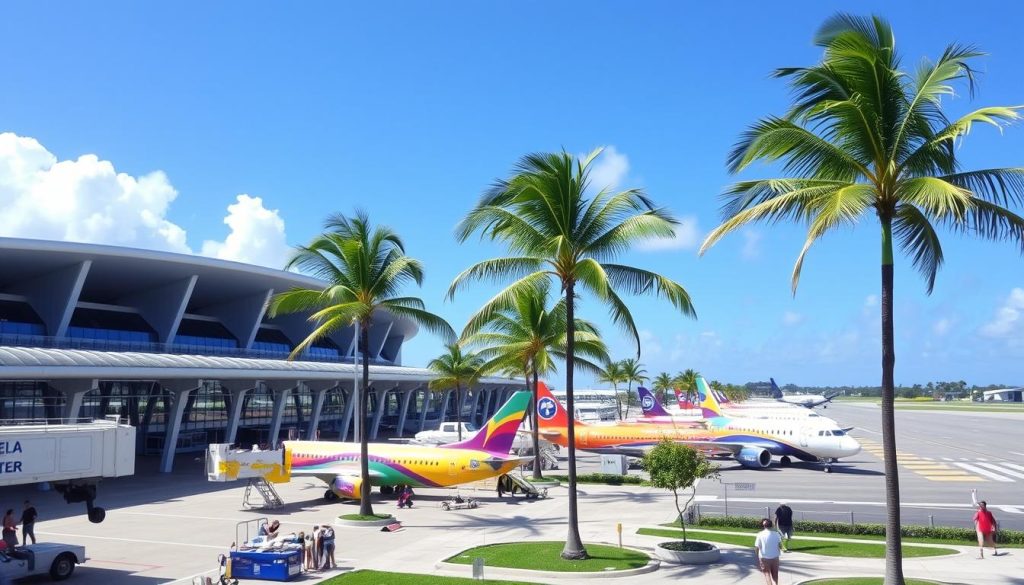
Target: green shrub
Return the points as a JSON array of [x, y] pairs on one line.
[[910, 531], [605, 478]]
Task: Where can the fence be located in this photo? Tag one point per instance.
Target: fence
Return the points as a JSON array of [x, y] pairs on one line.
[[943, 517]]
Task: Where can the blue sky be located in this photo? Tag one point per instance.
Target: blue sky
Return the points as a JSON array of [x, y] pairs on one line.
[[410, 109]]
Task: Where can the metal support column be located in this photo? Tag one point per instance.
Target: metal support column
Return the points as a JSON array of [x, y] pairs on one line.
[[425, 407], [180, 390], [403, 409]]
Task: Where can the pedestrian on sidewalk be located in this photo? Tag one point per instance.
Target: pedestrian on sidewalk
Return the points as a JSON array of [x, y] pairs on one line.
[[784, 522], [986, 526], [768, 545]]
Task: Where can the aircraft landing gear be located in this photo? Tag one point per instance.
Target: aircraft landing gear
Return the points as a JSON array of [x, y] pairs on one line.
[[785, 461], [330, 496], [828, 465], [387, 490]]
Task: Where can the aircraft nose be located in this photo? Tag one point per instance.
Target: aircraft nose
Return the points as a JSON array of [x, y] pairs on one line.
[[850, 445]]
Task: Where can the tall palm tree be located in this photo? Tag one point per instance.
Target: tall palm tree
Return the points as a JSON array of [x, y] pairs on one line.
[[553, 229], [687, 382], [662, 384], [456, 370], [632, 371], [365, 268], [612, 374], [866, 139], [527, 338]]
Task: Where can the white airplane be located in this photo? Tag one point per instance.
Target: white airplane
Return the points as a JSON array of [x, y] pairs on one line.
[[653, 411], [805, 400]]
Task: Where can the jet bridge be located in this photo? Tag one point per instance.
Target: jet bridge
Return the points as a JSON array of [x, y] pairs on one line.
[[71, 457]]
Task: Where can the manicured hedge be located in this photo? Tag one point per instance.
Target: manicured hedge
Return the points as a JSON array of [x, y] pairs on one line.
[[606, 478], [910, 531]]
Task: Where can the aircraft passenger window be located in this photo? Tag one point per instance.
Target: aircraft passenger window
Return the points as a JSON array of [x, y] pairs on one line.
[[821, 433]]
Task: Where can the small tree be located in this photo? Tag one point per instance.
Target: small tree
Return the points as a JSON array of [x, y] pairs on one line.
[[674, 467]]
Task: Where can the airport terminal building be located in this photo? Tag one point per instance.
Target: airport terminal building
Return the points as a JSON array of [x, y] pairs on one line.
[[181, 347]]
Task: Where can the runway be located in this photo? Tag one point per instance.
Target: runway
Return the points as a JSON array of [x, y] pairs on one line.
[[942, 456]]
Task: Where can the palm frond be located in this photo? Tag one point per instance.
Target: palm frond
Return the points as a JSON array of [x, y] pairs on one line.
[[495, 270], [918, 238]]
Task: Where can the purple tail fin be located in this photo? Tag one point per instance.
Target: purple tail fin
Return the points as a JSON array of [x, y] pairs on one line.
[[649, 403], [498, 433]]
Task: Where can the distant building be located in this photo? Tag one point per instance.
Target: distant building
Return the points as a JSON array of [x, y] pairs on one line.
[[1004, 395]]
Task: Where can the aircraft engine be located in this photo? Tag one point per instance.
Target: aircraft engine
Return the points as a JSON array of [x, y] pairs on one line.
[[754, 457], [346, 486]]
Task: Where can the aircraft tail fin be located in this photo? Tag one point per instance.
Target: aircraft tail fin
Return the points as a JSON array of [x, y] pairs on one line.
[[776, 393], [722, 398], [649, 403], [550, 412], [709, 406], [498, 433]]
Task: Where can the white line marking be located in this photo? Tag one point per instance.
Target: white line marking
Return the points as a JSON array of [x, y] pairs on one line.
[[947, 458], [1017, 453], [985, 472], [981, 459], [1016, 474], [163, 542], [1014, 466]]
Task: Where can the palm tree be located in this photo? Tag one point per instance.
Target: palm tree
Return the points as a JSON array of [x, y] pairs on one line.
[[456, 370], [364, 268], [662, 384], [865, 138], [526, 339], [612, 374], [554, 229], [687, 382], [632, 371]]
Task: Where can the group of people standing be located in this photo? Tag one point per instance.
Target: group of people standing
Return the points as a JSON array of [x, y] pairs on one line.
[[318, 548], [29, 515]]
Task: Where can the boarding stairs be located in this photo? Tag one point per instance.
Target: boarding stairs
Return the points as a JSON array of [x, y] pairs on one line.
[[271, 499]]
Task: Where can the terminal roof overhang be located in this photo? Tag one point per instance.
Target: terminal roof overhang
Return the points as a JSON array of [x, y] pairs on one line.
[[31, 363]]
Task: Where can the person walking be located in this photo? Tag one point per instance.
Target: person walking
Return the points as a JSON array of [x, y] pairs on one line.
[[10, 531], [768, 545], [28, 523], [784, 522], [985, 524]]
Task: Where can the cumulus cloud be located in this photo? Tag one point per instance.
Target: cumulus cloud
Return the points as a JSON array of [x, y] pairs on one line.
[[687, 237], [942, 326], [871, 301], [650, 344], [751, 249], [87, 200], [1009, 317], [257, 235], [609, 170]]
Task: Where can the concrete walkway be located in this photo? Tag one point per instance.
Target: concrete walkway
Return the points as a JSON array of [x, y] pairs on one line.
[[431, 535]]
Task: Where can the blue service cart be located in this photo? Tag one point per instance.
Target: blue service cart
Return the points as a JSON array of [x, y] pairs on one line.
[[268, 566]]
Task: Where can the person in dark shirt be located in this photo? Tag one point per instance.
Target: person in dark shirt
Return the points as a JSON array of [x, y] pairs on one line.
[[28, 523], [784, 522]]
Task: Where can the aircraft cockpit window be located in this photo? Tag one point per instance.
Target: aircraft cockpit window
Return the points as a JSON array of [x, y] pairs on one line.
[[838, 433]]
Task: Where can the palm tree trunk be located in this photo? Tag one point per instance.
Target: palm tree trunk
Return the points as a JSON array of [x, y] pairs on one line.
[[365, 508], [458, 410], [573, 543], [536, 430], [893, 537]]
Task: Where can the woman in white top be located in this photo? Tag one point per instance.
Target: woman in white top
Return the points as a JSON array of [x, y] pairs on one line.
[[769, 547]]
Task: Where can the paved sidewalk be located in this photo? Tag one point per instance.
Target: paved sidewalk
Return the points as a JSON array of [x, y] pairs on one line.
[[431, 535]]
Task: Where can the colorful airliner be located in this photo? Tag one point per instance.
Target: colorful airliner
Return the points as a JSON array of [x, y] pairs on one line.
[[654, 412], [753, 442], [482, 456]]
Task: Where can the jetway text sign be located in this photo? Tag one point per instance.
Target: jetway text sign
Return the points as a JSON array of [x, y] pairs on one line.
[[36, 457], [743, 487]]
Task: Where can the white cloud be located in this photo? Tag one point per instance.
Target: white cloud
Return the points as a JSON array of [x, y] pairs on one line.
[[87, 200], [650, 345], [609, 170], [942, 326], [871, 301], [1009, 318], [687, 237], [790, 318], [257, 235], [751, 249]]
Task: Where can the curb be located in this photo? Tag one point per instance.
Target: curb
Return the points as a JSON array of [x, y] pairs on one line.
[[505, 572], [813, 579]]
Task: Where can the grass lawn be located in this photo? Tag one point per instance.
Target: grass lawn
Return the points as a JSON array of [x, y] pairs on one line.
[[364, 517], [875, 537], [378, 577], [865, 581], [804, 545], [546, 556]]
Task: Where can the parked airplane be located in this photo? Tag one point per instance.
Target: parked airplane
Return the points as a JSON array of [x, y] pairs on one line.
[[753, 444], [484, 455], [806, 439], [805, 400], [653, 411]]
